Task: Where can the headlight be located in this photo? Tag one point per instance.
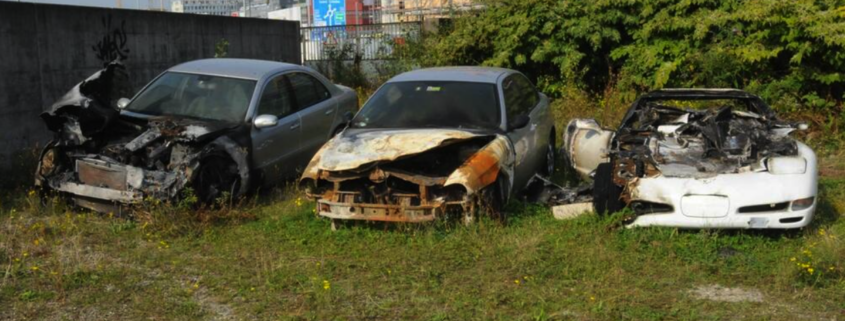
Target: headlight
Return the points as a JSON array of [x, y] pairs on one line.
[[802, 204], [786, 165], [48, 162]]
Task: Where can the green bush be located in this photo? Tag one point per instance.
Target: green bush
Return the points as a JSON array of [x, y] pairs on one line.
[[792, 53]]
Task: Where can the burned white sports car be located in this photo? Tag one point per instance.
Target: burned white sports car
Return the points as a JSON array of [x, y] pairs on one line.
[[698, 158], [216, 125]]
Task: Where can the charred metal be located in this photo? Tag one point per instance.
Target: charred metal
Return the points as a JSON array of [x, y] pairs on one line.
[[405, 176], [697, 158], [102, 159]]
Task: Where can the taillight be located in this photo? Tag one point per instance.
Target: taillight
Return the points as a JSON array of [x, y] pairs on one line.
[[803, 203]]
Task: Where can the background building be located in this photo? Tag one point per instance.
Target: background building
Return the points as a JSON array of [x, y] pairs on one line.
[[207, 7], [415, 10]]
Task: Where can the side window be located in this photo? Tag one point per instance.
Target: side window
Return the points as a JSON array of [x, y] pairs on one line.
[[520, 95], [307, 90], [276, 98]]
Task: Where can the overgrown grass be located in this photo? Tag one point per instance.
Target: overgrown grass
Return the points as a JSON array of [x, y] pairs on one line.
[[278, 261]]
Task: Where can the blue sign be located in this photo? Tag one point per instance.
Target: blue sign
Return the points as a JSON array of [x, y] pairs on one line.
[[329, 12]]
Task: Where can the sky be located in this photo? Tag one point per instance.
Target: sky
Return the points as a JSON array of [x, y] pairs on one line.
[[127, 4]]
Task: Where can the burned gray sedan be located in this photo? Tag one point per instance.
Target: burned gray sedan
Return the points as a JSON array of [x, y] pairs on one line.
[[218, 126], [433, 142]]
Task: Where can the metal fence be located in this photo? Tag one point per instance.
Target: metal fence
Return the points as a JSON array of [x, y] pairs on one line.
[[370, 42]]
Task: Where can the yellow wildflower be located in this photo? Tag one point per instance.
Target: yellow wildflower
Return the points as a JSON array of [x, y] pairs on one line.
[[31, 193], [516, 281], [326, 285], [34, 268], [810, 270], [792, 259]]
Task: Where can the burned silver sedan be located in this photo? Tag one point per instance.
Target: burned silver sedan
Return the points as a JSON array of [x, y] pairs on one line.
[[433, 142], [217, 126], [698, 158]]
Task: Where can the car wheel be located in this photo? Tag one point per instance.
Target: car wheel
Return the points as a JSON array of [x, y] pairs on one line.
[[492, 201], [605, 193], [216, 176], [549, 168]]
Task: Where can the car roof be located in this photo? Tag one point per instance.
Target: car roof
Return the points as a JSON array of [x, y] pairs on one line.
[[236, 68], [488, 75], [698, 93]]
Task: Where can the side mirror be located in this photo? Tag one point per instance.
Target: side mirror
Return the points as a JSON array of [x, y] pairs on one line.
[[265, 121], [122, 103], [518, 122]]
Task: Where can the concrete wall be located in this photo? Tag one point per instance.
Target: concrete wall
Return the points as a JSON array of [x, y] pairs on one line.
[[47, 49]]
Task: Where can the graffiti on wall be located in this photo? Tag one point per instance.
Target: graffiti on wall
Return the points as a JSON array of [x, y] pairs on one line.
[[113, 44]]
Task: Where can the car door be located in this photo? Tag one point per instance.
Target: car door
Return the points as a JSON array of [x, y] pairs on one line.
[[317, 111], [520, 99], [275, 148]]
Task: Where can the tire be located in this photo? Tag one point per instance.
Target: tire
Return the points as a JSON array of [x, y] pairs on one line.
[[493, 201], [550, 160], [605, 193], [216, 176]]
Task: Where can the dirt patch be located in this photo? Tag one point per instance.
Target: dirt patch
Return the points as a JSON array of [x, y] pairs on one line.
[[219, 311], [723, 294]]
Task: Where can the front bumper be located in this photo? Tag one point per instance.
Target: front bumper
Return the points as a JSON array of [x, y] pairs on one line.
[[717, 202], [384, 212], [105, 186]]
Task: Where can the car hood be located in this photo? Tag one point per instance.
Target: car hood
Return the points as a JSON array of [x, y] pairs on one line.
[[187, 130], [353, 149], [365, 150], [89, 107]]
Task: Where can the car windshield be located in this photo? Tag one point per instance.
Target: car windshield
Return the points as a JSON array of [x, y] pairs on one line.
[[704, 104], [195, 96], [431, 104]]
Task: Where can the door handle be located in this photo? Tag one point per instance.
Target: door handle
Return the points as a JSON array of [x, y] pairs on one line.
[[295, 126], [329, 112]]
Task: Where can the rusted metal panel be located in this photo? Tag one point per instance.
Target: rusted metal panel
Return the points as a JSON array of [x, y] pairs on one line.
[[483, 168], [361, 170], [101, 175], [351, 152], [379, 212]]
